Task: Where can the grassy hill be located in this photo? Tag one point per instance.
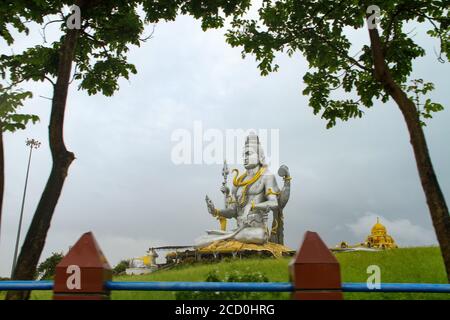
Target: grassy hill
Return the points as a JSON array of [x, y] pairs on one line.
[[420, 265]]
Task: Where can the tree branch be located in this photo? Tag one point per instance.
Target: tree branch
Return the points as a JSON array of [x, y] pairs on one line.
[[150, 35], [437, 29], [45, 26], [344, 54], [50, 80], [100, 43], [74, 73], [389, 30]]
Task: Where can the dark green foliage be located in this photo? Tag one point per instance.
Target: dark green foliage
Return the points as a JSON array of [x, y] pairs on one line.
[[47, 268], [16, 13], [108, 29], [319, 31], [121, 267], [10, 101], [211, 13], [235, 276]]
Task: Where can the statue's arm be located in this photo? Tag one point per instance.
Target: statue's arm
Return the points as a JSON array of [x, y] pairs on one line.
[[285, 192], [228, 213], [271, 189], [231, 210]]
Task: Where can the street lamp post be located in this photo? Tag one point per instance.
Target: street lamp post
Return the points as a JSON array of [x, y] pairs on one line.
[[33, 144]]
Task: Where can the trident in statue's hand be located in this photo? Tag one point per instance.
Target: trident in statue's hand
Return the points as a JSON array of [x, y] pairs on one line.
[[224, 189]]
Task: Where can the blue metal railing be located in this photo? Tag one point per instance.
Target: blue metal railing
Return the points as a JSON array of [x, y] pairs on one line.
[[26, 285], [202, 286], [231, 286], [398, 287]]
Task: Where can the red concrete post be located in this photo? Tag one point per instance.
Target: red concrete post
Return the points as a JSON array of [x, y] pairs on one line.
[[315, 272], [81, 274]]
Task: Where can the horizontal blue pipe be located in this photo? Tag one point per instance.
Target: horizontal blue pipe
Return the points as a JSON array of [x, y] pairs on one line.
[[230, 286], [398, 287], [270, 286], [26, 285], [201, 286]]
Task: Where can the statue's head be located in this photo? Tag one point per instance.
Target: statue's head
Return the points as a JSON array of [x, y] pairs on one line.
[[253, 152]]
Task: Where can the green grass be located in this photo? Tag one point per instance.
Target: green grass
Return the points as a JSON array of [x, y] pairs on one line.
[[418, 265], [407, 265]]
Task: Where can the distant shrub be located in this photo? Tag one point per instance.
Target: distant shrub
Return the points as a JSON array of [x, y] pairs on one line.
[[121, 267], [46, 269], [235, 276]]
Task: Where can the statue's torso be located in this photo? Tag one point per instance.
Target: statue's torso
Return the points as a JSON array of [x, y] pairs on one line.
[[255, 193]]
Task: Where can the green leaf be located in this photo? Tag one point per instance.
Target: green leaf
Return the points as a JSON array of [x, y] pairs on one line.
[[10, 101]]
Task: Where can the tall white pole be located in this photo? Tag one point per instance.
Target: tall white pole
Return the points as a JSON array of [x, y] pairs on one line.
[[33, 144]]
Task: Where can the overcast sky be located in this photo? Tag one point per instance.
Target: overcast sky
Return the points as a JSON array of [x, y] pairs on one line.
[[125, 188]]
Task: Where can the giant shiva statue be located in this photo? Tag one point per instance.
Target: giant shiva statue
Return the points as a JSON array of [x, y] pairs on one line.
[[254, 194]]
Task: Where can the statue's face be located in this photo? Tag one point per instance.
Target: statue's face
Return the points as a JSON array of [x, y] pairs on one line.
[[251, 159]]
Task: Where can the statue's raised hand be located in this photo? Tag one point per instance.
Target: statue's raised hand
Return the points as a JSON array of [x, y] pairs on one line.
[[210, 206]]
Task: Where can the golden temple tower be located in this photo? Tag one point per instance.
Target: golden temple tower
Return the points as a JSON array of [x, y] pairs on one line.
[[379, 239]]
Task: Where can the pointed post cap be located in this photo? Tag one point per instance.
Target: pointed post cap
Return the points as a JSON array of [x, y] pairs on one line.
[[84, 269], [86, 253], [314, 266], [314, 250]]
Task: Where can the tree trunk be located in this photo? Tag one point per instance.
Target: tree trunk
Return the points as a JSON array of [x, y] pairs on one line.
[[62, 158], [434, 196], [2, 179]]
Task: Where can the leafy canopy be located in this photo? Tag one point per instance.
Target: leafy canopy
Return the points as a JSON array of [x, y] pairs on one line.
[[108, 29], [235, 276], [319, 30]]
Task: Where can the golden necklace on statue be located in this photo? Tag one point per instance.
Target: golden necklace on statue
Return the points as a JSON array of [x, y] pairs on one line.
[[239, 182]]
